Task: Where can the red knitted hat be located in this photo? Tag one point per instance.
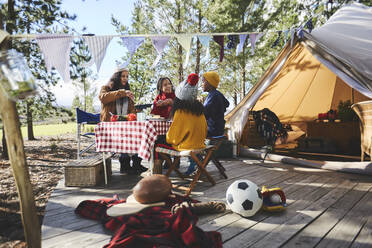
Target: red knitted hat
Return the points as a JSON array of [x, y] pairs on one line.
[[193, 79]]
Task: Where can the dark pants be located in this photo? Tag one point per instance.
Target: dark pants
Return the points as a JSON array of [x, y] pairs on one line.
[[125, 161]]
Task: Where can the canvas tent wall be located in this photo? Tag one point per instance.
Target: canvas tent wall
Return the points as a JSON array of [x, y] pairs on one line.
[[332, 63]]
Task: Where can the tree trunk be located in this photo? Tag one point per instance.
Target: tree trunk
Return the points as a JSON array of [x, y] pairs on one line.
[[30, 130], [198, 45], [243, 75], [243, 67], [30, 219], [235, 85], [4, 153], [179, 30], [17, 157]]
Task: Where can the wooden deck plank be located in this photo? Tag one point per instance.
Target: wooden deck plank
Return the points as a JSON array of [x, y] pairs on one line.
[[285, 231], [311, 235], [81, 236], [292, 190], [219, 193], [316, 198], [312, 192], [343, 234], [61, 221], [364, 239], [229, 218]]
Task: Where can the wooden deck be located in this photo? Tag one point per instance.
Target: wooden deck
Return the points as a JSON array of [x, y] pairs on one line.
[[325, 209]]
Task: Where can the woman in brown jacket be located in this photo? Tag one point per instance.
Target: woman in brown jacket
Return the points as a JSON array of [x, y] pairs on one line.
[[116, 98]]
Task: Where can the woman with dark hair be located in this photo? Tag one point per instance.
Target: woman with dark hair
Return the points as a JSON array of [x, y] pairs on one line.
[[116, 98], [164, 100]]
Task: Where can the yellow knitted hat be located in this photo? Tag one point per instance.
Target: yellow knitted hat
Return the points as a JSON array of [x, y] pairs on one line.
[[212, 78]]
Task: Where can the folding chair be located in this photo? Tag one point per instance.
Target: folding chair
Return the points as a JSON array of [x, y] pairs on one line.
[[217, 141], [82, 118], [201, 163]]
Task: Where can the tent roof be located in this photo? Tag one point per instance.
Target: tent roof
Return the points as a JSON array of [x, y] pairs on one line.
[[343, 45], [347, 37]]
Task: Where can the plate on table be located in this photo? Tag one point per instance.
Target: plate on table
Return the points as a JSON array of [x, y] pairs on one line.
[[156, 119]]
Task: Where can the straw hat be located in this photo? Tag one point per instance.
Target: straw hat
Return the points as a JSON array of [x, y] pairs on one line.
[[149, 192]]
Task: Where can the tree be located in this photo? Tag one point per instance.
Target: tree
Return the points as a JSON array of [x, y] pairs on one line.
[[35, 17], [82, 76]]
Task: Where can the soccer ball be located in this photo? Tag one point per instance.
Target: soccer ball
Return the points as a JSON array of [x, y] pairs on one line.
[[244, 197]]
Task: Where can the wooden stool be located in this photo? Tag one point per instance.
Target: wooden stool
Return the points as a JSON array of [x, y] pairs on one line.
[[217, 141], [164, 153]]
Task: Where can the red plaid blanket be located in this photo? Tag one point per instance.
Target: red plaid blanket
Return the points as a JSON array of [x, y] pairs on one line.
[[152, 227]]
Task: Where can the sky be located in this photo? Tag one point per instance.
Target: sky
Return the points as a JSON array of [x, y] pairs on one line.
[[95, 15]]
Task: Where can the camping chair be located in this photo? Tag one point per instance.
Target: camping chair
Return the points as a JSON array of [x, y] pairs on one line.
[[205, 153], [364, 112], [82, 118]]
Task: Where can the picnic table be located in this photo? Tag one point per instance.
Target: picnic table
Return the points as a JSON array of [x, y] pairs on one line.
[[129, 137]]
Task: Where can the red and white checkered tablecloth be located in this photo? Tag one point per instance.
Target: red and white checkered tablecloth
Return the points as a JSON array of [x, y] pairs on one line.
[[129, 136]]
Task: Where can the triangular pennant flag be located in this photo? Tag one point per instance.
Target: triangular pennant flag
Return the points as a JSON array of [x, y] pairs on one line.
[[242, 38], [254, 37], [285, 34], [159, 42], [300, 32], [232, 41], [185, 41], [204, 39], [132, 44], [220, 40], [56, 50], [309, 25], [97, 46], [277, 39], [292, 35], [3, 35]]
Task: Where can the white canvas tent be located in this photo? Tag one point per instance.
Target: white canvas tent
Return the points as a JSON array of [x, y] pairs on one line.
[[332, 63]]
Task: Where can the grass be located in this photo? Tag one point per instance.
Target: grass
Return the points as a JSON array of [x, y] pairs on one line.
[[52, 129]]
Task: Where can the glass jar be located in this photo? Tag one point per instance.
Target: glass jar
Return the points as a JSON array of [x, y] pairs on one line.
[[16, 79]]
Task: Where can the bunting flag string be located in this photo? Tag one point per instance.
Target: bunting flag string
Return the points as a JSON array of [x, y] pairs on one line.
[[254, 38], [56, 47], [242, 39], [277, 40], [204, 40], [185, 41], [300, 32], [232, 41], [132, 44], [292, 35], [97, 46], [220, 41], [159, 43], [309, 25], [56, 51], [285, 34]]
